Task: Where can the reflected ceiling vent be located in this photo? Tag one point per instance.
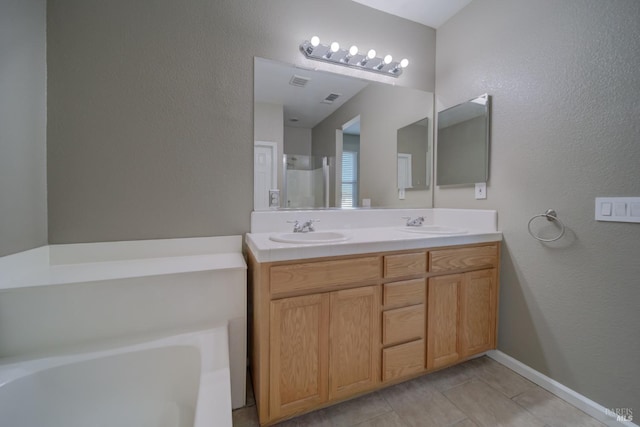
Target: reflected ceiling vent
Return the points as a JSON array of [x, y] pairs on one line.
[[330, 98], [299, 81]]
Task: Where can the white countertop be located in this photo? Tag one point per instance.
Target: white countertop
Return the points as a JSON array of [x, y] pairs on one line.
[[361, 241]]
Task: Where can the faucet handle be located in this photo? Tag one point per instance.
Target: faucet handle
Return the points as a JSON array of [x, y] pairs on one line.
[[309, 224], [414, 222], [297, 227]]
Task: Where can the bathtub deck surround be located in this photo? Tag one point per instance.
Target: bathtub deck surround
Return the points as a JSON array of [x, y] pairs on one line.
[[182, 379], [335, 320], [64, 296], [88, 262]]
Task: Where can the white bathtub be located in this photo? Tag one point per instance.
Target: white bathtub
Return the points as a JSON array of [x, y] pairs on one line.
[[177, 381], [65, 296]]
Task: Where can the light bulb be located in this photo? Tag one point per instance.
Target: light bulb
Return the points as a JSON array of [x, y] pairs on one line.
[[353, 50], [335, 46], [315, 41], [388, 59], [404, 63], [371, 54]]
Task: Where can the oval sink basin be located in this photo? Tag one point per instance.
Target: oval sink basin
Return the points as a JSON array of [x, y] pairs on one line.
[[435, 229], [311, 237]]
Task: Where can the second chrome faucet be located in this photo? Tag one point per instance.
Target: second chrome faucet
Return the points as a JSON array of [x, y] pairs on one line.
[[303, 227], [416, 222]]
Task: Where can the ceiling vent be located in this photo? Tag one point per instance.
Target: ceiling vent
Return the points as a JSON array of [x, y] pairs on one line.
[[330, 98], [299, 81]]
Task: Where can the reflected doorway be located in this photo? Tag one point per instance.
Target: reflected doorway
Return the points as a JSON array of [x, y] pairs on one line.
[[265, 172]]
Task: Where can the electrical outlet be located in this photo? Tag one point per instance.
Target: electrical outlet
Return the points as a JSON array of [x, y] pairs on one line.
[[274, 198], [481, 190], [401, 193]]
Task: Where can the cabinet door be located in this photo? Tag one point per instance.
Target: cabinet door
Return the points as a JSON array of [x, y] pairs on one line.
[[478, 312], [354, 361], [298, 354], [443, 320]]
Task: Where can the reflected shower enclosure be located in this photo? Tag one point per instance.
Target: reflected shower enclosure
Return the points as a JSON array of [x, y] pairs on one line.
[[305, 181]]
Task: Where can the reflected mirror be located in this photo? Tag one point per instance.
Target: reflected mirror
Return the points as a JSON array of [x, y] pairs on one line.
[[325, 140], [414, 157], [463, 143]]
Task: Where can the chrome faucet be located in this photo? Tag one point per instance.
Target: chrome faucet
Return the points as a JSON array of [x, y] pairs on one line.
[[416, 222], [304, 227]]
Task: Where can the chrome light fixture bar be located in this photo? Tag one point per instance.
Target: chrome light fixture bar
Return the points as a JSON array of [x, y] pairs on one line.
[[352, 57]]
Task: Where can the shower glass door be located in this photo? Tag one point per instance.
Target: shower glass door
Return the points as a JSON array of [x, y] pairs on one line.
[[304, 181]]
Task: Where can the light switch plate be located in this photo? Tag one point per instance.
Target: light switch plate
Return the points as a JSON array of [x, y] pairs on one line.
[[401, 193], [618, 209], [481, 190]]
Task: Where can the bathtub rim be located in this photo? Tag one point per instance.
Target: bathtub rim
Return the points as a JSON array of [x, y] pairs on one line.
[[213, 395], [15, 367]]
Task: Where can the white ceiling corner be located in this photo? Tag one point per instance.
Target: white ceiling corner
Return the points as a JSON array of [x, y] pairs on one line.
[[432, 13]]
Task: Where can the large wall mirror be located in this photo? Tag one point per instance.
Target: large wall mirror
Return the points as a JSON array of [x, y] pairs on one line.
[[463, 143], [325, 140]]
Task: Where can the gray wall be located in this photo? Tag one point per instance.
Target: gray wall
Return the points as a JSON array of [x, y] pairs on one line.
[[462, 152], [297, 141], [566, 103], [23, 121], [383, 109], [414, 139], [150, 105]]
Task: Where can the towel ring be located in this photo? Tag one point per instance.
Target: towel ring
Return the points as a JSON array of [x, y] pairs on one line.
[[550, 215]]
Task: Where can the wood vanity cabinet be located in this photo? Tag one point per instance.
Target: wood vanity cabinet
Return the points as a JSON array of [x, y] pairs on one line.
[[323, 346], [325, 330], [298, 353], [403, 315], [462, 307], [354, 330]]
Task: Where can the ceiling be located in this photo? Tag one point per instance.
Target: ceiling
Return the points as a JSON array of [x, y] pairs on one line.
[[432, 13], [302, 104]]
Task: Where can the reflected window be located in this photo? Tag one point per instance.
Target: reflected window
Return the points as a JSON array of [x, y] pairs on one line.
[[349, 179]]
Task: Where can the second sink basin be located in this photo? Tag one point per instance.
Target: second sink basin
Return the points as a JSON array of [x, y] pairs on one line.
[[311, 237], [435, 229]]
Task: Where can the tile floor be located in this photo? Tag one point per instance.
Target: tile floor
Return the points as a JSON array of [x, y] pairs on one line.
[[480, 392]]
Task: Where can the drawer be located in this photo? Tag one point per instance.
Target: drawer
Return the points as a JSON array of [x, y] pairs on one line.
[[402, 360], [403, 324], [403, 265], [463, 258], [323, 274], [408, 292]]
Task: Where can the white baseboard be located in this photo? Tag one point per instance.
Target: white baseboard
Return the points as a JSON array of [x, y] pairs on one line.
[[581, 402]]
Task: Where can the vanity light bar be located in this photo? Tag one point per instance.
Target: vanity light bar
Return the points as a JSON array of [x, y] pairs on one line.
[[352, 57]]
